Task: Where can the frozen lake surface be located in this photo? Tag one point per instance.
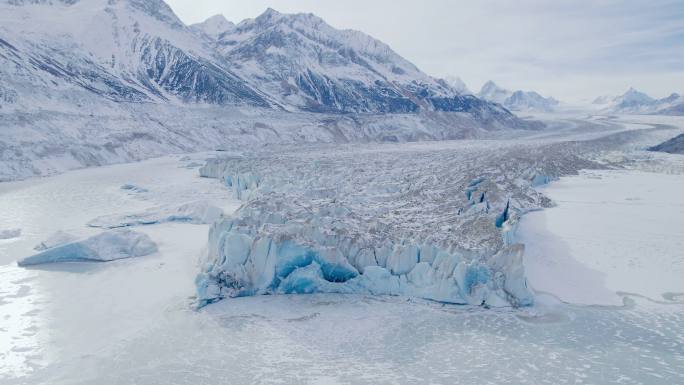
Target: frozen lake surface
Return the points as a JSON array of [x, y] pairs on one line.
[[131, 321], [612, 232]]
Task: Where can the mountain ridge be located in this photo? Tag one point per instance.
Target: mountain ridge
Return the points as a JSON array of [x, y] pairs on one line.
[[634, 101]]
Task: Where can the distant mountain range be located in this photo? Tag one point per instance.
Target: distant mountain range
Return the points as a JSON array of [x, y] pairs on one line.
[[517, 100], [637, 102]]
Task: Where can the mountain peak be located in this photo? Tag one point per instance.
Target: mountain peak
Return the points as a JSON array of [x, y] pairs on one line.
[[217, 19], [458, 84], [490, 84], [491, 91], [215, 25], [270, 15], [270, 12], [157, 9], [634, 94]]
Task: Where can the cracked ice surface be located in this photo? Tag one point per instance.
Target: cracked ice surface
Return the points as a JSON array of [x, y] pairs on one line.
[[431, 220]]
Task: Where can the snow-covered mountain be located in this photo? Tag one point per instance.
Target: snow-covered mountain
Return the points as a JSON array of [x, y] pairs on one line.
[[492, 92], [214, 26], [518, 100], [530, 100], [637, 102], [306, 64], [458, 84], [91, 82], [123, 51]]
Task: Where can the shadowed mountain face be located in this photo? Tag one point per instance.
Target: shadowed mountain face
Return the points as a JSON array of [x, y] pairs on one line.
[[672, 146]]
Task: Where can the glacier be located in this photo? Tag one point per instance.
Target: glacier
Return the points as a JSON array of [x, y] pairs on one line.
[[432, 221], [104, 247]]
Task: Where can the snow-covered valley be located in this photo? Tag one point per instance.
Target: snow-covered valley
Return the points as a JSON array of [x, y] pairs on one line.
[[135, 320]]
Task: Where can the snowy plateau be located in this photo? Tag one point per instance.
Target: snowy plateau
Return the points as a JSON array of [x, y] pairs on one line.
[[280, 201]]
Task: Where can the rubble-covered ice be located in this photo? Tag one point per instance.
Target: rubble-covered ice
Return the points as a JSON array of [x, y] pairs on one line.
[[434, 221], [59, 238], [200, 212], [108, 246], [10, 233]]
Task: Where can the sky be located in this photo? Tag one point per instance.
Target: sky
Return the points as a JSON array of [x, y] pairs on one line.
[[571, 50]]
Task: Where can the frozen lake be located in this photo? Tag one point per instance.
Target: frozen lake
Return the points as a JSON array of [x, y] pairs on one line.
[[131, 321], [612, 232]]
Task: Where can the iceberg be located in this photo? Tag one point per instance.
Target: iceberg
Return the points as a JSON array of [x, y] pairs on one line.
[[108, 246], [200, 212]]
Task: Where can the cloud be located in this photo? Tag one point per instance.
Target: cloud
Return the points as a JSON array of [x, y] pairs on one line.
[[568, 49]]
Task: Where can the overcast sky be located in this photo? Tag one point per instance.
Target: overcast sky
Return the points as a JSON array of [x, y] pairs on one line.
[[571, 50]]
